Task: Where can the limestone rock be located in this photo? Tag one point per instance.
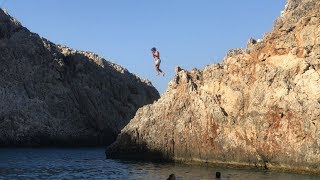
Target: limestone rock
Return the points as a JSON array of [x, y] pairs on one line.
[[259, 108], [54, 95]]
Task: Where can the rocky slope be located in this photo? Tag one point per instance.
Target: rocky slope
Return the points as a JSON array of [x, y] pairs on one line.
[[260, 107], [54, 95]]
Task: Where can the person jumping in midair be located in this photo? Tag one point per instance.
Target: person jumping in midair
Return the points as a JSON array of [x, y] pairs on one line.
[[156, 56]]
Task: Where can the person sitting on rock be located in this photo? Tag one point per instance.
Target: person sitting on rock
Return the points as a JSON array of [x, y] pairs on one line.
[[156, 56]]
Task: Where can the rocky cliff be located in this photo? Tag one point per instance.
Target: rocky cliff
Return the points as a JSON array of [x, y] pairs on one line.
[[54, 95], [259, 108]]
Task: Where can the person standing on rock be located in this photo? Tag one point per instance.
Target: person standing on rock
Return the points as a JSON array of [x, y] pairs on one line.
[[156, 56]]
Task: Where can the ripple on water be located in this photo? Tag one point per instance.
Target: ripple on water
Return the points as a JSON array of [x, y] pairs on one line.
[[90, 163]]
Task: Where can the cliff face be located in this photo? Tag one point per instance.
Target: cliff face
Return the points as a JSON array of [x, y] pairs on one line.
[[260, 107], [54, 95]]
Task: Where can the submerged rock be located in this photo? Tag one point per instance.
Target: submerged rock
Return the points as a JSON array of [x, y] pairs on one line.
[[259, 108], [54, 95]]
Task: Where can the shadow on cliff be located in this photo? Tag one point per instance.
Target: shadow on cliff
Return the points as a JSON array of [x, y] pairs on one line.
[[119, 94], [129, 148]]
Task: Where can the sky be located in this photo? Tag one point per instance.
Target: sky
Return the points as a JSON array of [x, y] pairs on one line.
[[187, 33]]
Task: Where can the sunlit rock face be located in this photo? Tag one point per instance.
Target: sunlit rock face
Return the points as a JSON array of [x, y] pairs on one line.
[[260, 107], [54, 95]]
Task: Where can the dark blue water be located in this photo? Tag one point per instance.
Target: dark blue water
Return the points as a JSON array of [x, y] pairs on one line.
[[90, 163]]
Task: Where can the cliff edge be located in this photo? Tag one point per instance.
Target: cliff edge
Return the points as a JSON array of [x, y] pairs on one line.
[[54, 95], [259, 108]]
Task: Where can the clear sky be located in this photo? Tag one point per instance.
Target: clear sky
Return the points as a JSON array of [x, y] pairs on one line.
[[187, 33]]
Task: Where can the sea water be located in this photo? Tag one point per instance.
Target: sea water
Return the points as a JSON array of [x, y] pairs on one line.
[[90, 163]]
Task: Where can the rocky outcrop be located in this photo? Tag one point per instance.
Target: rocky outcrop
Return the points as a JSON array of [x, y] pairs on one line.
[[260, 107], [54, 95]]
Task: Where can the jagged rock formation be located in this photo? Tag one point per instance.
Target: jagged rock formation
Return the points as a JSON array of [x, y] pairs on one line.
[[54, 95], [260, 107]]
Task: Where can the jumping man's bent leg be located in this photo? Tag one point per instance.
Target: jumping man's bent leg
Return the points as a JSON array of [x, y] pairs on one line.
[[156, 67]]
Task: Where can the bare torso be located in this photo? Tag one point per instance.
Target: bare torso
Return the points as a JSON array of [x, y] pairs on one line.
[[156, 55]]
